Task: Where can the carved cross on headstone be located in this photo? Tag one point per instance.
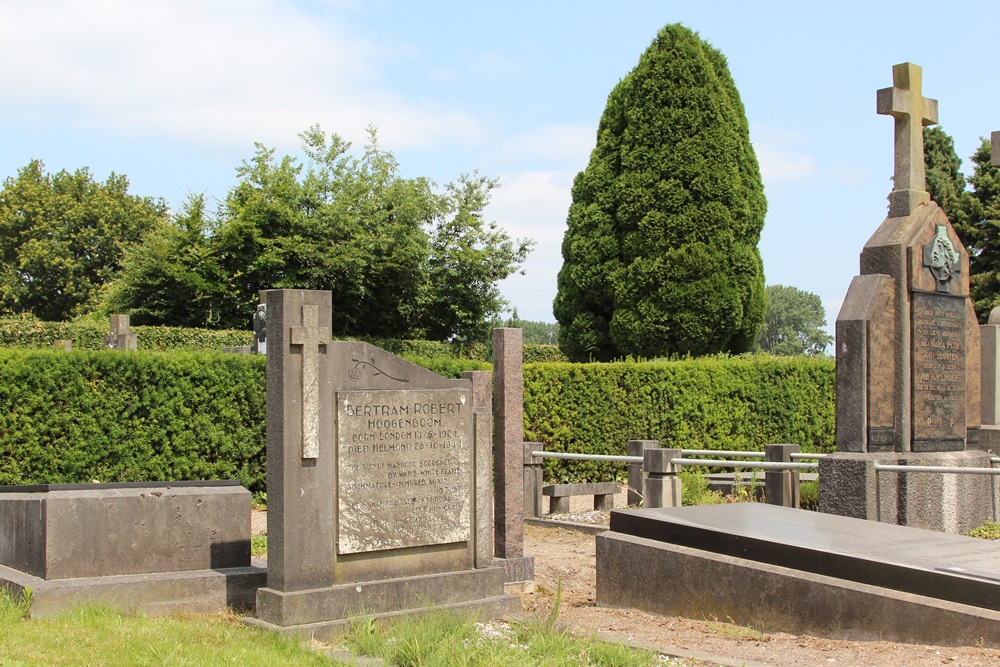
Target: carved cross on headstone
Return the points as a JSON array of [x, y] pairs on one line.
[[310, 336], [995, 149], [905, 102]]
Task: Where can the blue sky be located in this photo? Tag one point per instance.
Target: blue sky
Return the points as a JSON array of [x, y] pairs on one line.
[[174, 93]]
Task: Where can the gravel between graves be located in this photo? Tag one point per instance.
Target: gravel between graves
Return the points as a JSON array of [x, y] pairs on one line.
[[568, 556]]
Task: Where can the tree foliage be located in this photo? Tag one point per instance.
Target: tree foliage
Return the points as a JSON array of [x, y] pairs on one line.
[[63, 237], [660, 254], [402, 259], [793, 324], [974, 213]]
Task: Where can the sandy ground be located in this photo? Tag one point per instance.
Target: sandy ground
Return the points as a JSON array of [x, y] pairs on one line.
[[568, 556]]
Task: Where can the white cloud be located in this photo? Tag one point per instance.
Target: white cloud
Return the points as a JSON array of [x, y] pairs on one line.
[[217, 73], [534, 205], [558, 146], [780, 156]]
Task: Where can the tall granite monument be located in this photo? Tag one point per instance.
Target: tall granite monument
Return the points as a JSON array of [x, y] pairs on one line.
[[378, 478], [908, 353]]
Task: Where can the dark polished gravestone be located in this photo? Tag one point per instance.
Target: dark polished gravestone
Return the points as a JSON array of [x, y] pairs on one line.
[[790, 570]]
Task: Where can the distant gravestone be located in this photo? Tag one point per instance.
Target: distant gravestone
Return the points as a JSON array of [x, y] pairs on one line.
[[995, 149], [259, 330], [378, 477], [120, 337], [908, 348]]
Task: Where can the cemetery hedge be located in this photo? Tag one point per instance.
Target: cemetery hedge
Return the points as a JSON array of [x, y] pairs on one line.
[[728, 403], [27, 331], [124, 417], [142, 416]]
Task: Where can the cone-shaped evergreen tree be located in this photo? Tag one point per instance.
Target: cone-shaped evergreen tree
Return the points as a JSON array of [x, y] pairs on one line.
[[660, 255]]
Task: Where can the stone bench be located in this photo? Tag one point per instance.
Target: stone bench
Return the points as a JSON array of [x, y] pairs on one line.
[[603, 492]]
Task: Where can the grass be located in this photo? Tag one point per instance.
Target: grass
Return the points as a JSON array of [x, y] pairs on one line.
[[258, 546], [100, 635], [436, 638], [734, 631]]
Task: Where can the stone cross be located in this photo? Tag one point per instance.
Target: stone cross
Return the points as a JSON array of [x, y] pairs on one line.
[[995, 149], [310, 336], [906, 103]]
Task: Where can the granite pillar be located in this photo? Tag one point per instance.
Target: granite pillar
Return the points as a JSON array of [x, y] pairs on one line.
[[508, 454]]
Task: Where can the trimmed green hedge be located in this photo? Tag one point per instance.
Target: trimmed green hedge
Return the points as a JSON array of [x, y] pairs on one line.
[[708, 403], [112, 416], [27, 331], [140, 416]]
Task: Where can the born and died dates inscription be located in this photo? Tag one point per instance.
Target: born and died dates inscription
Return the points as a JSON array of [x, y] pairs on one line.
[[404, 468], [939, 369]]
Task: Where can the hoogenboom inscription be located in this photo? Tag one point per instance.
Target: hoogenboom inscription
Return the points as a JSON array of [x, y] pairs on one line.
[[404, 468]]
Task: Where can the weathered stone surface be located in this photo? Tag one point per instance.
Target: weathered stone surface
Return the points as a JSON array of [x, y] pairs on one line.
[[388, 500], [405, 459], [774, 598], [906, 103], [120, 336], [508, 436], [948, 502], [99, 530]]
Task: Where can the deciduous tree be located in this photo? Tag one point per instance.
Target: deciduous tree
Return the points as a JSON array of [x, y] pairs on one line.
[[63, 237], [793, 324]]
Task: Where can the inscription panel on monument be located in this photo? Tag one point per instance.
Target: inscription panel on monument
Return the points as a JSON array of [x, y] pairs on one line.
[[939, 370], [404, 468]]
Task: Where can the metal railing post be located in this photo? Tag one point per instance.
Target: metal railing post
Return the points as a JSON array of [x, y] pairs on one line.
[[661, 483], [781, 487]]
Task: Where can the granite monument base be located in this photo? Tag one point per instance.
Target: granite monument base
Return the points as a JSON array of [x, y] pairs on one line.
[[156, 547], [948, 502], [786, 570], [325, 613]]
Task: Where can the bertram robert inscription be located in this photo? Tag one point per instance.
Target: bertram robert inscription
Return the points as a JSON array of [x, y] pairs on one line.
[[405, 468], [939, 390]]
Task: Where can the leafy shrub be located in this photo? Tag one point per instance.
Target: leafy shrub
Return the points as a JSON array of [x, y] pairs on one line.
[[141, 416], [740, 403], [809, 495]]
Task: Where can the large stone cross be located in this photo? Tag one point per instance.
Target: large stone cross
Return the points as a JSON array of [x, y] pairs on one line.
[[906, 103], [310, 336]]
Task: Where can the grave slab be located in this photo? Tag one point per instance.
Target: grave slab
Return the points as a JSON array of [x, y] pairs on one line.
[[158, 547], [785, 570]]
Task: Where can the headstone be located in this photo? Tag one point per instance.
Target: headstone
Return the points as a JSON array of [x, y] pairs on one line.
[[260, 330], [120, 336], [908, 343], [378, 475], [63, 345], [508, 454], [995, 149]]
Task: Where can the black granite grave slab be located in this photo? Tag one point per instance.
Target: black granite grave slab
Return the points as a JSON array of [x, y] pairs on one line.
[[948, 567]]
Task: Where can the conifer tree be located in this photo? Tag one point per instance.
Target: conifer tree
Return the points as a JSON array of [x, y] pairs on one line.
[[660, 254]]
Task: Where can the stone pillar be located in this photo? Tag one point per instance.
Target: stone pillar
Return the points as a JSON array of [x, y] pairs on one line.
[[781, 487], [990, 365], [661, 484], [532, 480], [482, 411], [301, 449], [635, 471], [508, 455], [259, 345], [121, 336]]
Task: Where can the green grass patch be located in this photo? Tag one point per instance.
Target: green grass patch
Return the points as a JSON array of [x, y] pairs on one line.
[[438, 638], [98, 635], [258, 546]]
